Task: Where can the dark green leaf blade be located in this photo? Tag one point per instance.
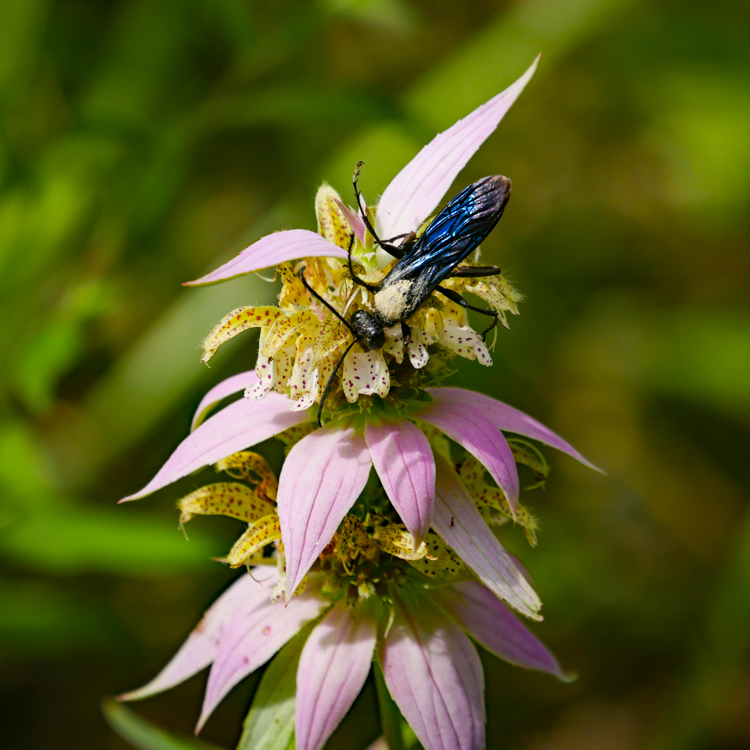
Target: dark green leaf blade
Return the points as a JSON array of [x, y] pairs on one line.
[[390, 716], [143, 734]]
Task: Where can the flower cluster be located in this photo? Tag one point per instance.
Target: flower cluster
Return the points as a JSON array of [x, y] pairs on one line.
[[301, 342], [369, 591], [399, 570]]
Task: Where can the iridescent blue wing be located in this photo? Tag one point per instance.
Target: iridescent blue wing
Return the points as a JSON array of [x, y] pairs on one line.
[[455, 232]]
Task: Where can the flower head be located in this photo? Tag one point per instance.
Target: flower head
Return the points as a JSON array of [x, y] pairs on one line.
[[369, 596], [359, 558]]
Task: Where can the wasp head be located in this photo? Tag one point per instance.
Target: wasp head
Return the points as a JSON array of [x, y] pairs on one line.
[[368, 330]]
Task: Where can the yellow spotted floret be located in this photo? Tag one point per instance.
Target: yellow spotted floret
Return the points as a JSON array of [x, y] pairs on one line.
[[254, 469], [224, 499], [239, 320], [264, 531], [439, 558], [397, 541]]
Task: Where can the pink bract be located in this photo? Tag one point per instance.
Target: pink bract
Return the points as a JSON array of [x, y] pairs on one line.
[[326, 471], [406, 202], [431, 668]]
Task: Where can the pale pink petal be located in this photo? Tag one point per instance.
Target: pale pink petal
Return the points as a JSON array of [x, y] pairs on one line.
[[355, 221], [238, 426], [251, 639], [333, 667], [420, 185], [469, 427], [510, 419], [486, 619], [403, 459], [434, 674], [322, 477], [233, 384], [457, 520], [199, 650], [291, 244]]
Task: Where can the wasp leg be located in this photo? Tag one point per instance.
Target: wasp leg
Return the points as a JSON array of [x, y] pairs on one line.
[[393, 250], [354, 277], [410, 237], [405, 333], [468, 272], [454, 296]]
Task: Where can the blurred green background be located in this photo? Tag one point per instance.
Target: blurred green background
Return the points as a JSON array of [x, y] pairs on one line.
[[141, 143]]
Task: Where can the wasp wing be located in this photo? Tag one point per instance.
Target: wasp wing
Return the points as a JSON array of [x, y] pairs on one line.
[[454, 233]]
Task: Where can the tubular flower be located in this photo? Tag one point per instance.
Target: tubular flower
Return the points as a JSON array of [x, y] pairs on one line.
[[327, 469], [402, 568], [369, 596]]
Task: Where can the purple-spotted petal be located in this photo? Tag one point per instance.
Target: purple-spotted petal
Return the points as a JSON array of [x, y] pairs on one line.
[[251, 639], [234, 384], [478, 611], [457, 520], [333, 667], [271, 250], [322, 477], [238, 426], [510, 419], [419, 186], [355, 221], [199, 650], [403, 459], [433, 672], [468, 426]]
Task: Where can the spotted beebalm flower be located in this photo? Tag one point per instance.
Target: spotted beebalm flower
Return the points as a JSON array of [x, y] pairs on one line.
[[402, 567], [327, 470], [369, 597]]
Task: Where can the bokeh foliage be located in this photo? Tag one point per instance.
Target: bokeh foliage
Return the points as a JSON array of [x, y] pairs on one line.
[[141, 143]]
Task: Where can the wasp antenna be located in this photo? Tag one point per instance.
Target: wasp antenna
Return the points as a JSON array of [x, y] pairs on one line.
[[327, 304], [358, 195], [327, 389]]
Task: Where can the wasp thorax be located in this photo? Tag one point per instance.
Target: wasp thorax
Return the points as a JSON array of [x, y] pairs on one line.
[[368, 330]]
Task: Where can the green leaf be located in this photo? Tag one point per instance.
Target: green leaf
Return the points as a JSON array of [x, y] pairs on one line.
[[43, 620], [390, 716], [270, 723], [145, 735], [76, 540]]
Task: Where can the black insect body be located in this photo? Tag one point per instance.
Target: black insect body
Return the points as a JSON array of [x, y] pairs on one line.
[[423, 263]]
